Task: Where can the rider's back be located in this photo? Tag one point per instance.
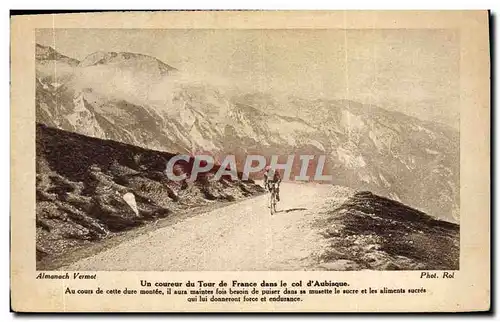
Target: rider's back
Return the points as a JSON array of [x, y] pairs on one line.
[[276, 176]]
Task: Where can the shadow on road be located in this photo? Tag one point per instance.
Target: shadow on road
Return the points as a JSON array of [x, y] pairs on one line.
[[290, 210]]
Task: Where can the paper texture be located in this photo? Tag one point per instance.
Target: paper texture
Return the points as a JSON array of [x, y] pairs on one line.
[[272, 161]]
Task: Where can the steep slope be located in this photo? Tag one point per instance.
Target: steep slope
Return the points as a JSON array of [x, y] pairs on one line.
[[81, 183], [52, 68], [396, 156], [139, 100], [371, 232], [370, 148]]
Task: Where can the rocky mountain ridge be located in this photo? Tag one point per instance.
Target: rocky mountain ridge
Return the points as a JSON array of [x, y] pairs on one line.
[[136, 99]]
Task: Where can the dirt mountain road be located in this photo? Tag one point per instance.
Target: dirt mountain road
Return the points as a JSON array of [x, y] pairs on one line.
[[238, 237]]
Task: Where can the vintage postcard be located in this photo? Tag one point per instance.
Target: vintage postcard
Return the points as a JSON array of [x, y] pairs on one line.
[[250, 161]]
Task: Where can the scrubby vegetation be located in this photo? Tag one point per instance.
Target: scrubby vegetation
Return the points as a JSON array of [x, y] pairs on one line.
[[81, 181], [372, 232]]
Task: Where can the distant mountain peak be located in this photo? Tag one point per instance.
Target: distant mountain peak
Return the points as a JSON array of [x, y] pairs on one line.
[[124, 58], [47, 53]]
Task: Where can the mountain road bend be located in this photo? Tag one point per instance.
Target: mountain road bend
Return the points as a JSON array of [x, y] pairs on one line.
[[239, 237]]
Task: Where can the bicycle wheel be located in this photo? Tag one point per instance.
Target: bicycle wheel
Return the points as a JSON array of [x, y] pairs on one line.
[[272, 202]]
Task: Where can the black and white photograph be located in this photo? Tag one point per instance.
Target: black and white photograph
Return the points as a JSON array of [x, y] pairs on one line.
[[357, 131]]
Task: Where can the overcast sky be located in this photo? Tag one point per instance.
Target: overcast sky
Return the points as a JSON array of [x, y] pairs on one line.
[[411, 71]]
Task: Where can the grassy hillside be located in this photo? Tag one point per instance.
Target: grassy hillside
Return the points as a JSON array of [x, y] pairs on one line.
[[376, 233], [81, 181]]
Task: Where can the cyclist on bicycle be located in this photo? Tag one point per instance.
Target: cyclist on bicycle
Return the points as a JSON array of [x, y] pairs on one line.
[[272, 176]]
